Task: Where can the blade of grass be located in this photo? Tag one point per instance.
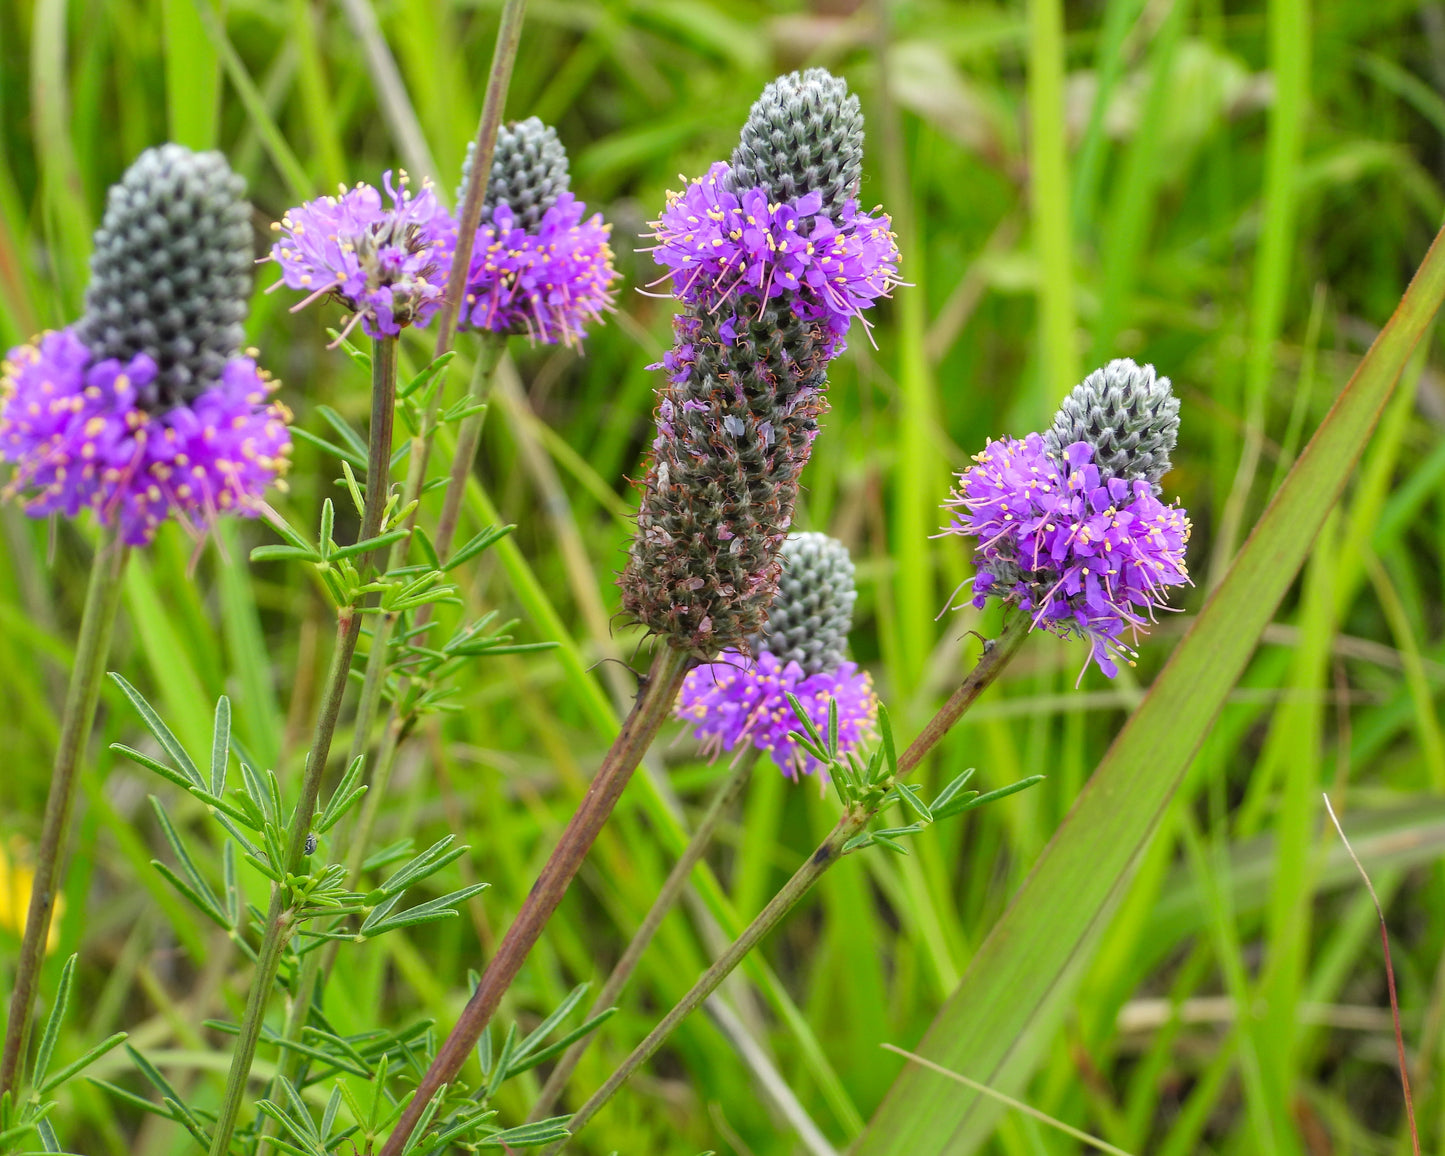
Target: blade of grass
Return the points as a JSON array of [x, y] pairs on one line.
[[193, 76], [1049, 206], [292, 171], [1289, 42], [1389, 975], [1014, 994], [1008, 1101]]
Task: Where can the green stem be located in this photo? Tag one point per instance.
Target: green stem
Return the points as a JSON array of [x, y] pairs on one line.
[[504, 55], [280, 920], [383, 419], [648, 713], [102, 599], [319, 963], [995, 657], [671, 888], [489, 356]]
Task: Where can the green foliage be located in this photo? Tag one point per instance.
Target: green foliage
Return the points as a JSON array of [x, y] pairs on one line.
[[26, 1115], [1178, 184]]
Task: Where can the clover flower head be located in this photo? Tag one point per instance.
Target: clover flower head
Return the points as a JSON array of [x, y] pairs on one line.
[[386, 263], [147, 407], [529, 172], [550, 283], [719, 246], [772, 262], [738, 699], [1128, 414], [1087, 556], [744, 697], [73, 428]]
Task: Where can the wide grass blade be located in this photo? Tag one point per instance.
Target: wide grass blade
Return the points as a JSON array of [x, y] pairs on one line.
[[1001, 1020]]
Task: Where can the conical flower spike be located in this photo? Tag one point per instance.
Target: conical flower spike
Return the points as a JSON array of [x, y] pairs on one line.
[[537, 267], [1072, 531], [803, 651], [147, 407]]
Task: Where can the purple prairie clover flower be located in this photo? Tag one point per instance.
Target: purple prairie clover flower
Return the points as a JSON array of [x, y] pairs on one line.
[[147, 407], [738, 699], [745, 382], [71, 424], [718, 244], [1087, 556], [801, 651], [386, 263], [550, 283]]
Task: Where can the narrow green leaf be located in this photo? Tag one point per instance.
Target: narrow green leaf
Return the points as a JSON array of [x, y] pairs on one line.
[[146, 761], [347, 792], [1005, 1013], [520, 1065], [327, 529], [275, 553], [474, 546], [77, 1066], [357, 460], [433, 859], [196, 882], [441, 908], [885, 731], [948, 792], [207, 906], [369, 544], [227, 807], [545, 1028], [53, 1022], [908, 795], [426, 375], [158, 729]]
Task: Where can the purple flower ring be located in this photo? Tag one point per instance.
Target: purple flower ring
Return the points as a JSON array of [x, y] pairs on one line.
[[387, 264], [716, 243], [736, 699], [549, 284], [1087, 556], [72, 427]]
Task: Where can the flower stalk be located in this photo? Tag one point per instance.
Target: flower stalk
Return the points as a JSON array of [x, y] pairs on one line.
[[319, 963], [102, 600], [504, 55], [997, 654], [490, 350], [280, 919], [722, 800], [649, 712]]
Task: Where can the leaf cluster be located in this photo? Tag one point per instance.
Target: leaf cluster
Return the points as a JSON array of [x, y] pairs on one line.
[[867, 786]]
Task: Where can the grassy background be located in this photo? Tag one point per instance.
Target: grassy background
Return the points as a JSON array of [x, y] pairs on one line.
[[1235, 195]]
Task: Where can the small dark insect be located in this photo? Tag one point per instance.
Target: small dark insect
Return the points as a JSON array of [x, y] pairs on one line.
[[311, 844]]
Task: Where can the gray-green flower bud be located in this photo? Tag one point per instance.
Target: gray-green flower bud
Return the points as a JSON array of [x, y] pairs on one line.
[[812, 612], [171, 272], [1130, 417], [529, 172], [804, 133]]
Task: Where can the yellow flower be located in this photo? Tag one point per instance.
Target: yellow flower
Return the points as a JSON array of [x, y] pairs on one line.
[[16, 880]]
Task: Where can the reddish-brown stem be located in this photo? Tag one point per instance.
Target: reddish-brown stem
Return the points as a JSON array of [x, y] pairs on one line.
[[641, 726], [1389, 978], [996, 655]]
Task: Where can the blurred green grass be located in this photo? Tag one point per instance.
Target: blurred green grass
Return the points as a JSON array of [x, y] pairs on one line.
[[1211, 197]]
